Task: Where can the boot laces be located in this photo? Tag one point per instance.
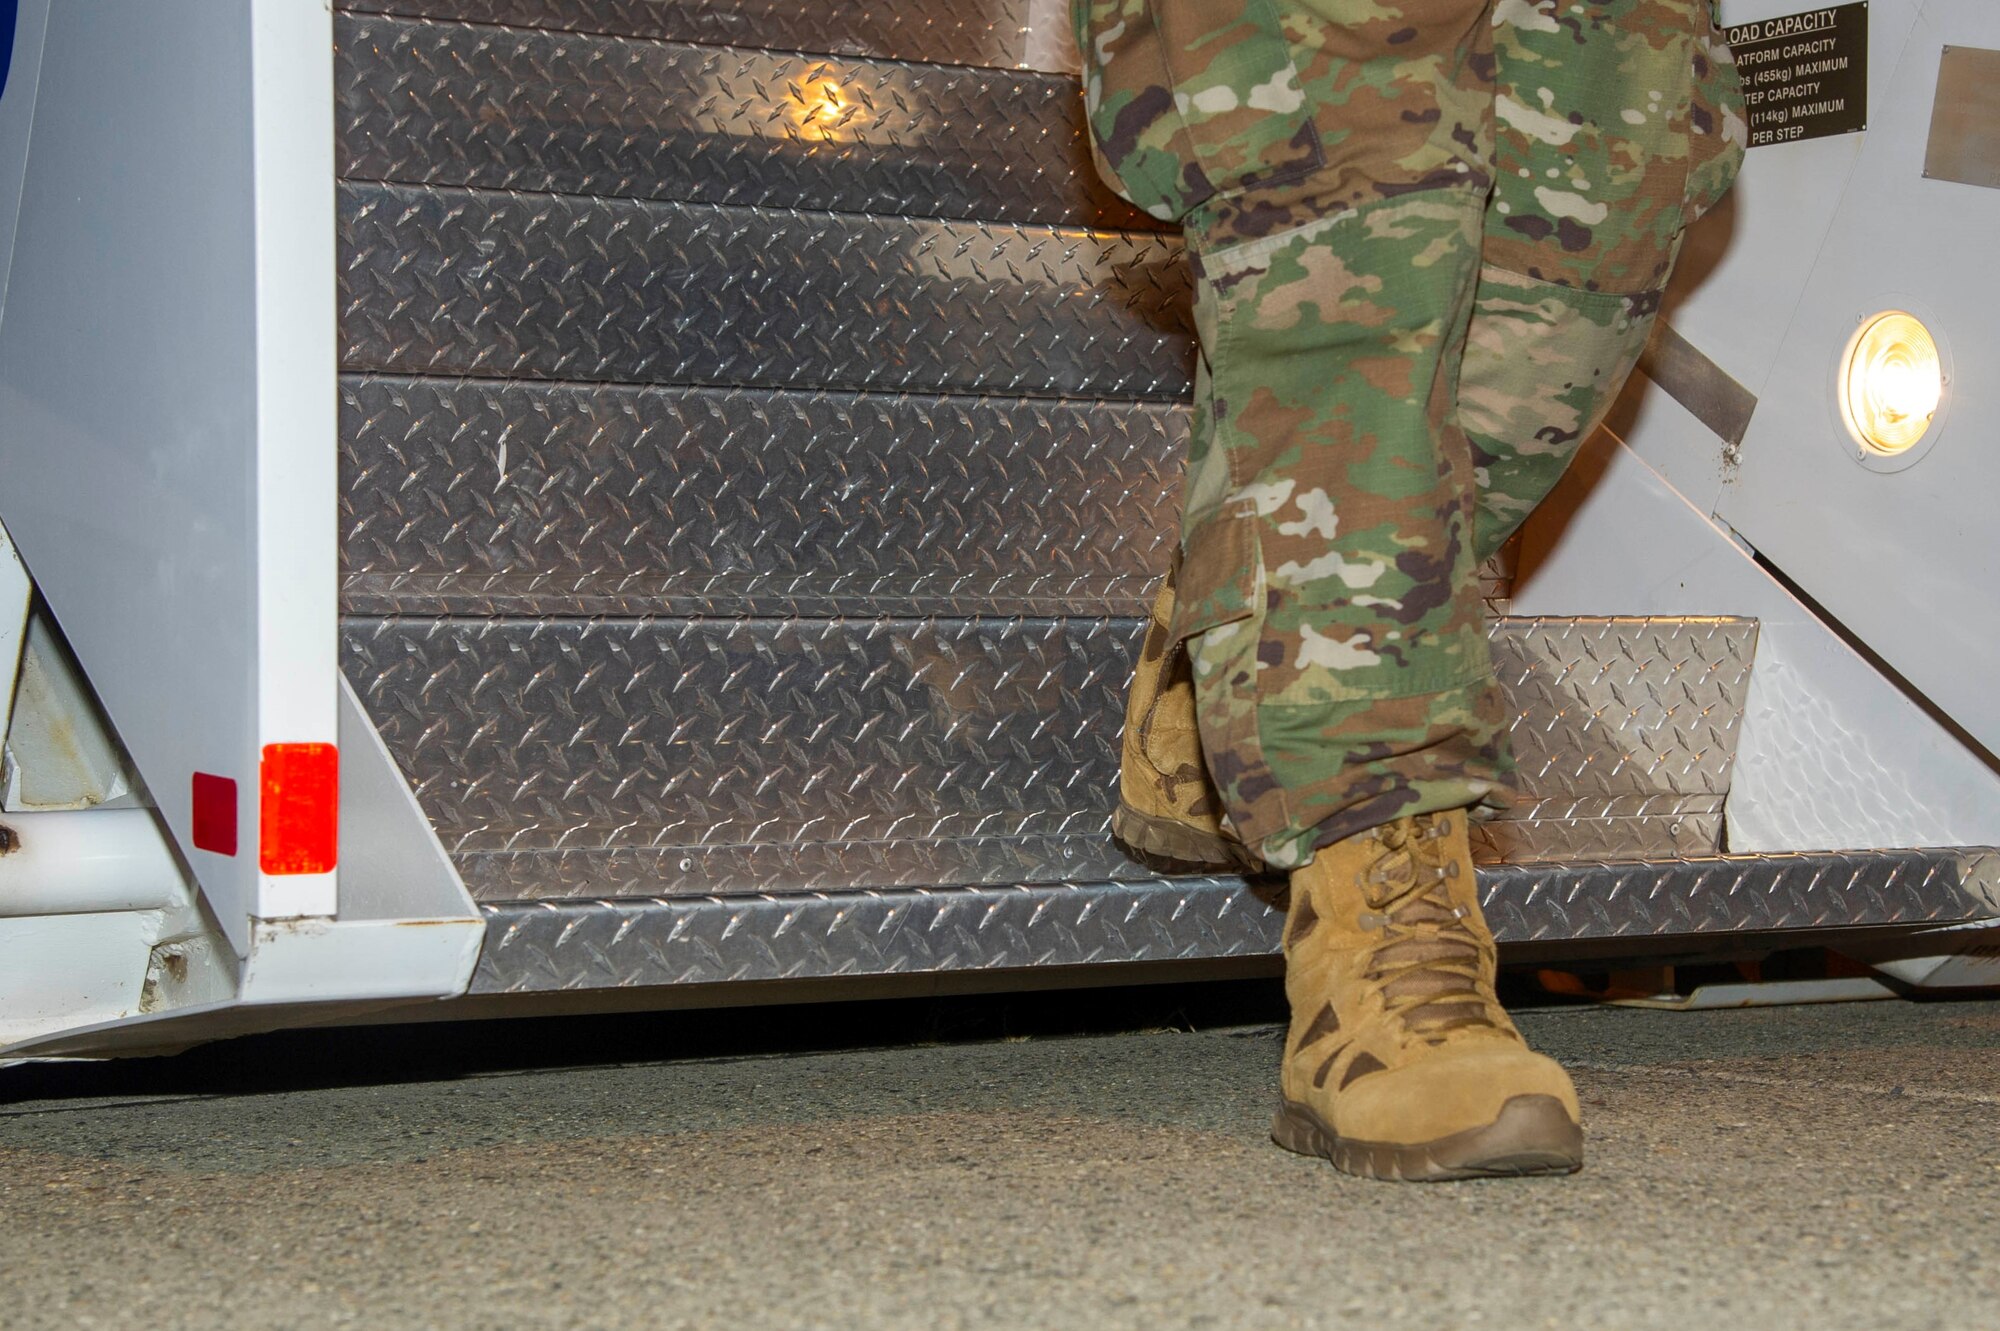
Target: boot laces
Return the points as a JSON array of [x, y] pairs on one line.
[[1430, 962]]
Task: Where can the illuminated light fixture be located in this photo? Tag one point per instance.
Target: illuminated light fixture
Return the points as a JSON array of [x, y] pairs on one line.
[[1891, 383]]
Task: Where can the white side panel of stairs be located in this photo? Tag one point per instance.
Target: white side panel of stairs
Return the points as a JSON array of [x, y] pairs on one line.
[[17, 107], [153, 980], [406, 926], [1833, 756], [1816, 235], [167, 394], [1743, 266], [1905, 558]]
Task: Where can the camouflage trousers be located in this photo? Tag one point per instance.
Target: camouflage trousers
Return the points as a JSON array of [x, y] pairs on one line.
[[1429, 239]]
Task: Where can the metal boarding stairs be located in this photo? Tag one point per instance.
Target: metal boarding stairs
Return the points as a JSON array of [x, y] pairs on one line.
[[759, 438], [835, 410]]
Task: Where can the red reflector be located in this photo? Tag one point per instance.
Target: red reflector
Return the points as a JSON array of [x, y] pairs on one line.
[[301, 808], [214, 813]]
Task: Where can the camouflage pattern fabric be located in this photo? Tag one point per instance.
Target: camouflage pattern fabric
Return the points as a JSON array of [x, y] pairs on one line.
[[1232, 115], [1409, 319]]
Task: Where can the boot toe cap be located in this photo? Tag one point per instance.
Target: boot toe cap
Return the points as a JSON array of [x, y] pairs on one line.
[[1440, 1097]]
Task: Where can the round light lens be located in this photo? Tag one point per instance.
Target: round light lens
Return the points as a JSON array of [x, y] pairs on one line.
[[1891, 383]]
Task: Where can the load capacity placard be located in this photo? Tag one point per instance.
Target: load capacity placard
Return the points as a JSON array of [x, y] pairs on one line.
[[1805, 76]]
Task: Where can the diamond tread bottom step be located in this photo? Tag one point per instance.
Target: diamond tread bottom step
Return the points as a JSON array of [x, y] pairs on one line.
[[638, 758], [540, 946]]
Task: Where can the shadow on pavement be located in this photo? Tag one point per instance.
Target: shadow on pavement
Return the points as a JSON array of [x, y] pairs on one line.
[[316, 1058]]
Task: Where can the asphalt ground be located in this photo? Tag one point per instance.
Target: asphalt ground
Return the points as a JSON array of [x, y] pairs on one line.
[[1086, 1159]]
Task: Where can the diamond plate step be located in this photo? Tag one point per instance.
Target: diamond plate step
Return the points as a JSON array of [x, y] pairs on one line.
[[1003, 33], [484, 497], [617, 944], [536, 286], [571, 757], [481, 497], [569, 113]]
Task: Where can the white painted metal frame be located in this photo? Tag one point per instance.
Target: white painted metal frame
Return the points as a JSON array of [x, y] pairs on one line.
[[297, 432], [168, 443], [103, 946], [17, 104], [16, 595], [167, 394]]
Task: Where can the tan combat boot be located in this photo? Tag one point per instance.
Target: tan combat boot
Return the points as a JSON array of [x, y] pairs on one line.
[[1400, 1063], [1168, 808]]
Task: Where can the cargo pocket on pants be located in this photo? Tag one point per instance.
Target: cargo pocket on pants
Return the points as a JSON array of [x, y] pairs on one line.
[[1216, 617], [1542, 366], [1187, 101]]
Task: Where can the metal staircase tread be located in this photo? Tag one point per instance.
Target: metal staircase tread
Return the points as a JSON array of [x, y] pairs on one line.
[[558, 755], [508, 498], [631, 942], [484, 283], [974, 33], [424, 102]]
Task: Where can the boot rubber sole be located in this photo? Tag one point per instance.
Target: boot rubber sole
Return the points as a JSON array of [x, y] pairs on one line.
[[1153, 837], [1532, 1134]]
